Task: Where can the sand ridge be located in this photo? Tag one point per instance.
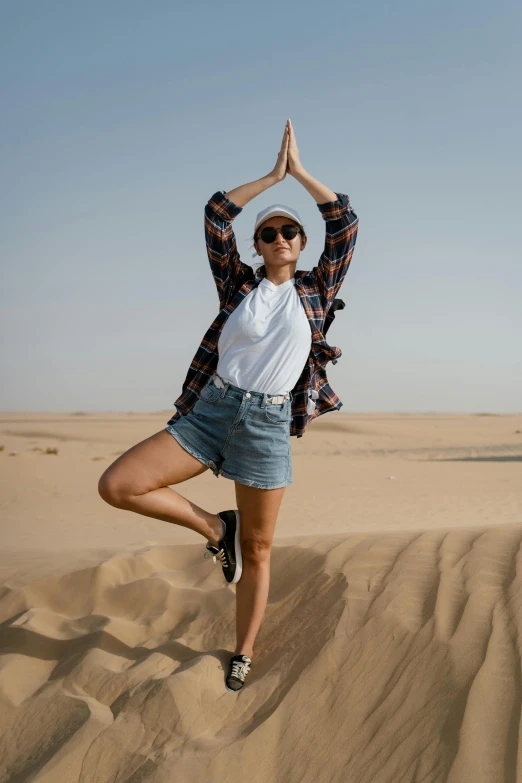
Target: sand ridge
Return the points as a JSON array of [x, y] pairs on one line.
[[390, 651], [395, 656]]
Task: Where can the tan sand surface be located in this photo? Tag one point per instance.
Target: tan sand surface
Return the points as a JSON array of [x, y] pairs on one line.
[[390, 651]]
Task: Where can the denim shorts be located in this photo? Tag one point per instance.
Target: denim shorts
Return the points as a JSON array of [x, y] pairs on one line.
[[241, 435]]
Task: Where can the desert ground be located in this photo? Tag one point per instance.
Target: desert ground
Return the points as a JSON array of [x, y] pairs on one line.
[[390, 651]]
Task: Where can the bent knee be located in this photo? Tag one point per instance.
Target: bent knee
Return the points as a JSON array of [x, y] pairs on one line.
[[112, 491]]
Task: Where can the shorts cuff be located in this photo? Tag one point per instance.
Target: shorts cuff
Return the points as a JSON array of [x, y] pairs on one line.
[[256, 484], [183, 443]]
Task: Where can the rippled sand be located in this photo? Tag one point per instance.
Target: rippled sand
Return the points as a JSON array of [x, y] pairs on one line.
[[389, 652]]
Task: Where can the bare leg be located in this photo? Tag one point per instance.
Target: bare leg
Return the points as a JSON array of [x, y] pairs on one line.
[[259, 509], [139, 480]]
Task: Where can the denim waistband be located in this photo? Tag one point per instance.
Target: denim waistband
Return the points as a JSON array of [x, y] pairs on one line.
[[274, 398]]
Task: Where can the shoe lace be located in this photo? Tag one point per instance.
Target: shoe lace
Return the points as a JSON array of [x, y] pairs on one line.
[[240, 670], [221, 555]]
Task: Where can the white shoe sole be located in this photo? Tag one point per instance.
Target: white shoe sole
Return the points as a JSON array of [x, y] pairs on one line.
[[237, 546]]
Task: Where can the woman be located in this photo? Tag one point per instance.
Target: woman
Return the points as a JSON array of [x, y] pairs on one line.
[[247, 389]]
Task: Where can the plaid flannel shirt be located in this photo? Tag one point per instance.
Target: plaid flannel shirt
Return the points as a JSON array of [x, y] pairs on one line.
[[316, 288]]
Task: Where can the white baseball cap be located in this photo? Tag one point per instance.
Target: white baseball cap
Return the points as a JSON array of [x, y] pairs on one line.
[[276, 210]]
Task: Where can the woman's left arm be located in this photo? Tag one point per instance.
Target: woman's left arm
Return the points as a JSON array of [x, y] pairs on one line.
[[342, 225], [317, 190]]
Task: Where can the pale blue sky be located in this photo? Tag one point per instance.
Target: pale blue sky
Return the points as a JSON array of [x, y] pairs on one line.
[[120, 119]]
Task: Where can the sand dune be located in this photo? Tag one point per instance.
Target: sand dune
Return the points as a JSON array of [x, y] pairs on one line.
[[389, 652], [389, 657]]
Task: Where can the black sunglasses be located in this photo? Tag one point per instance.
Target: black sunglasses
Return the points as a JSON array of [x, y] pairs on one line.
[[269, 234]]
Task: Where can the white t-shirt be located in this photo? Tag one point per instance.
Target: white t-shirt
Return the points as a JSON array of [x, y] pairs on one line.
[[265, 342]]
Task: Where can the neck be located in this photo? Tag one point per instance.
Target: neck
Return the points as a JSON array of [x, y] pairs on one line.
[[279, 275]]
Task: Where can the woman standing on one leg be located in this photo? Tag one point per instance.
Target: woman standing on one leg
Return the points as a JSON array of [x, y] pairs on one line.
[[239, 423]]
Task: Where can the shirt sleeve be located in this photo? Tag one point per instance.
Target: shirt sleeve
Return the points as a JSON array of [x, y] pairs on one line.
[[341, 233], [223, 256]]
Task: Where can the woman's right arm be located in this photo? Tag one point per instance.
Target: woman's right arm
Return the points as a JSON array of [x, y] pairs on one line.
[[220, 211], [220, 240], [245, 193]]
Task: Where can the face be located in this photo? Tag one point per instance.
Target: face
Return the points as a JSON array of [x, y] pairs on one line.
[[281, 252]]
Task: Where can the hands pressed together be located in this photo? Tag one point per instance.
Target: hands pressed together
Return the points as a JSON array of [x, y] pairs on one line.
[[288, 161]]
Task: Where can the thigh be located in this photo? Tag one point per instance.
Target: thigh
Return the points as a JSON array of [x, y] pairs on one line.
[[259, 509], [158, 461]]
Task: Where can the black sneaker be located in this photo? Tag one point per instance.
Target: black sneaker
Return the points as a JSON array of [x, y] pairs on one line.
[[238, 668], [228, 549]]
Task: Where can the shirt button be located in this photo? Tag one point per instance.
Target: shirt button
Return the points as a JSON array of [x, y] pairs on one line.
[[248, 394]]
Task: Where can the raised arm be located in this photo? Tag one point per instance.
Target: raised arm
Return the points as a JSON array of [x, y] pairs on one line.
[[341, 226], [220, 211], [225, 263]]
